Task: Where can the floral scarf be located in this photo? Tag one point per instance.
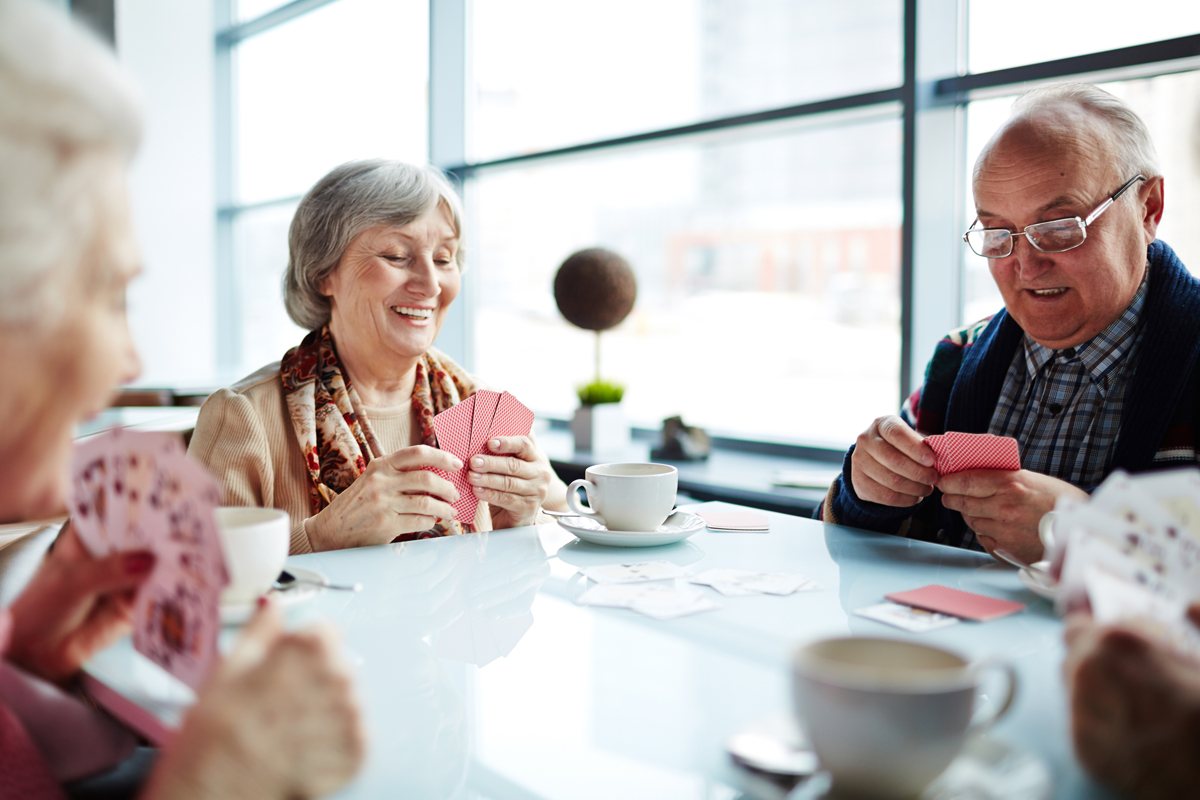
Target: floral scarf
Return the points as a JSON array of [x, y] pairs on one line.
[[334, 433]]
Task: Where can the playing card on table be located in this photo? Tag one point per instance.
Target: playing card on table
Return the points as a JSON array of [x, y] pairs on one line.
[[958, 452], [956, 603], [916, 620], [740, 582], [736, 521], [634, 573], [658, 600]]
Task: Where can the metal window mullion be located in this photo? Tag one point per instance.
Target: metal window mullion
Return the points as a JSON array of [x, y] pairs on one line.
[[228, 305]]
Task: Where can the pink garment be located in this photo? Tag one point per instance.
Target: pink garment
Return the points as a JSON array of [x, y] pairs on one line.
[[24, 774]]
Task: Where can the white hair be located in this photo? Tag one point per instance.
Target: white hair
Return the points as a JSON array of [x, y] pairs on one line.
[[1135, 149], [352, 198], [65, 111]]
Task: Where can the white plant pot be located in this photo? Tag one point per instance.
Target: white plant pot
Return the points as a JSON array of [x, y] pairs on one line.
[[601, 428]]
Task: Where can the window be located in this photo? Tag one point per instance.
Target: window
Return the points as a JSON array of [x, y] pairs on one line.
[[344, 81], [749, 159]]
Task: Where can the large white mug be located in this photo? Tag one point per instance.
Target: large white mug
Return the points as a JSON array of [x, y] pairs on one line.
[[256, 545], [886, 717], [626, 497]]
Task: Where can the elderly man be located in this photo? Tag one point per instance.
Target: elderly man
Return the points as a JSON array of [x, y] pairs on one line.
[[1091, 365]]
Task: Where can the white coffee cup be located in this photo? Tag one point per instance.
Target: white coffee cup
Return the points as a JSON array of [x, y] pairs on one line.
[[256, 545], [886, 717], [626, 497]]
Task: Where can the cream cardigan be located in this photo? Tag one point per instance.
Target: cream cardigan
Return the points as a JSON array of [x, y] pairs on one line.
[[244, 436]]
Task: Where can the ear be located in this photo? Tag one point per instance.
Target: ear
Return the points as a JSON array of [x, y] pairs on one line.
[[1151, 207]]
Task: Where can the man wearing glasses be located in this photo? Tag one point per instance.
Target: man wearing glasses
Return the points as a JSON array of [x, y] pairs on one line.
[[1091, 363]]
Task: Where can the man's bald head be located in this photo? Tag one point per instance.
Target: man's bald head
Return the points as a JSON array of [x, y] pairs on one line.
[[1075, 119]]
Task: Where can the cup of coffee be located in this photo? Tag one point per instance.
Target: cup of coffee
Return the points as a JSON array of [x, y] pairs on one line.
[[886, 717], [256, 545], [626, 497]]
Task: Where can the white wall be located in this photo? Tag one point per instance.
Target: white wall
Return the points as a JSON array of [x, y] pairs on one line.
[[168, 47]]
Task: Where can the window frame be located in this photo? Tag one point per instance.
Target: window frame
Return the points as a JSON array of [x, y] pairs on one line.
[[932, 100]]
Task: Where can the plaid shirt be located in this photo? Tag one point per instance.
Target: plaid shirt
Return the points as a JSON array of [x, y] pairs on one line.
[[1064, 406]]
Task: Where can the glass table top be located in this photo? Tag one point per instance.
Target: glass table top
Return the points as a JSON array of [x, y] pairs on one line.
[[480, 676]]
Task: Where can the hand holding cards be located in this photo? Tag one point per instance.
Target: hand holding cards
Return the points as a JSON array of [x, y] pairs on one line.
[[959, 452], [1133, 551], [464, 430], [138, 491]]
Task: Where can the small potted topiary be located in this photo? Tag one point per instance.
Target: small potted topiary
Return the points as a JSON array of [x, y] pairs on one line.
[[595, 289]]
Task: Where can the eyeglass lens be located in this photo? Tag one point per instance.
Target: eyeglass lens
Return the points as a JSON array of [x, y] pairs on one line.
[[1049, 237]]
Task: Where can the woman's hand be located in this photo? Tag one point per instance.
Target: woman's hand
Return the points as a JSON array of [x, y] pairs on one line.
[[74, 607], [277, 719], [394, 495], [1135, 708], [514, 483]]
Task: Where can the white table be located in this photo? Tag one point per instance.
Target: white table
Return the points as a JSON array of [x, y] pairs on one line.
[[482, 678]]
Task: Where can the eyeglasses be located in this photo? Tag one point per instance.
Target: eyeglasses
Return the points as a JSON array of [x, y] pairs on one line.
[[1055, 236]]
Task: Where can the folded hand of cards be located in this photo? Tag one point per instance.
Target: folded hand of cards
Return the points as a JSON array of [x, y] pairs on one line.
[[1133, 553], [138, 491]]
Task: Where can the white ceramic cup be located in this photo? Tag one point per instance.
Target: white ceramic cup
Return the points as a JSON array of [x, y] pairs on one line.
[[886, 717], [256, 545], [626, 497]]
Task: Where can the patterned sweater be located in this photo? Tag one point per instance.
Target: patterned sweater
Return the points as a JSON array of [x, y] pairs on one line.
[[965, 376]]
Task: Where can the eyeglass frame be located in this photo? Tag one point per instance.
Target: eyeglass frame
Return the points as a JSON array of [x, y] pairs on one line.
[[1083, 225]]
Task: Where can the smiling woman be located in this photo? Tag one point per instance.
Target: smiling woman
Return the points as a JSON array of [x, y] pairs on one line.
[[339, 433]]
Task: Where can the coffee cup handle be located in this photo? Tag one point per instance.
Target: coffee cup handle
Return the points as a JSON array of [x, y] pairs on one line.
[[592, 492], [1046, 531], [981, 722]]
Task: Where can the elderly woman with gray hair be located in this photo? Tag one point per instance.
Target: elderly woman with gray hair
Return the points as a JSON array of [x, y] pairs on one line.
[[278, 717], [339, 433]]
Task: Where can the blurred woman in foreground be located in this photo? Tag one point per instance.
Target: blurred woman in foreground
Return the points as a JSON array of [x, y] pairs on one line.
[[278, 718]]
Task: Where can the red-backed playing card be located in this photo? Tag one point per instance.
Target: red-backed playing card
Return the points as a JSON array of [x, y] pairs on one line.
[[956, 452], [453, 428], [512, 418], [956, 603], [481, 426]]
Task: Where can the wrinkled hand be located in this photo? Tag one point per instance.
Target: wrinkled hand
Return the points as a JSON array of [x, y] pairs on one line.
[[514, 483], [1004, 507], [74, 607], [394, 495], [892, 465], [1135, 709], [278, 719]]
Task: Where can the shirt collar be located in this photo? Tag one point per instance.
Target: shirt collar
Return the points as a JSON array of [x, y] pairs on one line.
[[1101, 354]]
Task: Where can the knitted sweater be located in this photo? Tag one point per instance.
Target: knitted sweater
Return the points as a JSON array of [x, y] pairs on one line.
[[965, 376]]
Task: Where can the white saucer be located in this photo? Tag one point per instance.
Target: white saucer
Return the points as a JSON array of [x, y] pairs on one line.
[[1039, 581], [987, 769], [239, 613], [676, 528]]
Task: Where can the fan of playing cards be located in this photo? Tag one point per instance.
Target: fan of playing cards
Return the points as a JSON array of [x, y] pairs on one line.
[[464, 430], [139, 491], [1133, 551]]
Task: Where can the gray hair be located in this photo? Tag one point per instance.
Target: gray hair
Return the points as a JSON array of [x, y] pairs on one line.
[[352, 198], [1135, 148], [65, 110]]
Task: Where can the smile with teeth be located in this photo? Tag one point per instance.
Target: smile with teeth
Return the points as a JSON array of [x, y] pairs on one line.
[[1049, 292], [412, 312]]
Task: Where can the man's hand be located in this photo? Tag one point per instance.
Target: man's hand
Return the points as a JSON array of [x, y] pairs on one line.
[[1135, 709], [74, 607], [892, 465], [1004, 507]]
